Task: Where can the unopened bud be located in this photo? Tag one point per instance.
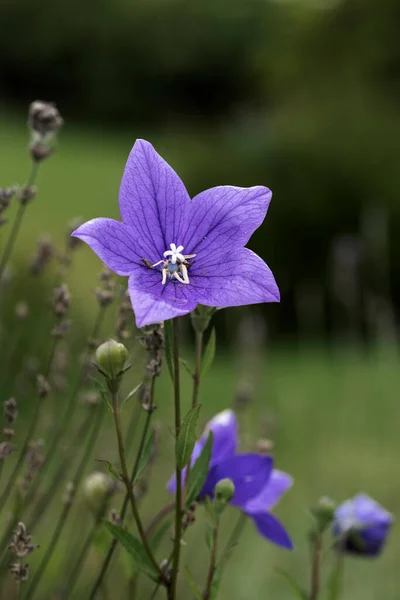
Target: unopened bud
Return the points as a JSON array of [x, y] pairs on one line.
[[324, 513], [111, 360], [97, 488], [224, 490]]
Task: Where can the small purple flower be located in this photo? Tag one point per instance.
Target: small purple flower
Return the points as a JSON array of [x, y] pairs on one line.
[[361, 526], [258, 487], [180, 252]]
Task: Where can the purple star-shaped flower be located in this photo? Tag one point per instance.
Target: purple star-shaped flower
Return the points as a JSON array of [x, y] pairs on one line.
[[180, 252], [258, 487], [361, 526]]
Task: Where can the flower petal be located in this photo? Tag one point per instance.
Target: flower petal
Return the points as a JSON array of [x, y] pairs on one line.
[[153, 302], [249, 473], [270, 495], [153, 201], [112, 242], [240, 278], [269, 527], [224, 217]]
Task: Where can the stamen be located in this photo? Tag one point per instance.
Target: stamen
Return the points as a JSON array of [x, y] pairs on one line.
[[164, 277], [157, 263], [179, 278], [185, 276]]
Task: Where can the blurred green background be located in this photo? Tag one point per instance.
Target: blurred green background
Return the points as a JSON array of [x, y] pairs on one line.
[[301, 96]]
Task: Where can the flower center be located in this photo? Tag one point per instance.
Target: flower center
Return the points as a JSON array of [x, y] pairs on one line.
[[176, 264]]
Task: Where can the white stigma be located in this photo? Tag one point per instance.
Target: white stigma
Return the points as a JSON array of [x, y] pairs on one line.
[[175, 254]]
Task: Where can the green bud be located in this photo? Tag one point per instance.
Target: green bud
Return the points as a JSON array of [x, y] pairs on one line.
[[224, 490], [97, 488], [324, 513], [111, 362]]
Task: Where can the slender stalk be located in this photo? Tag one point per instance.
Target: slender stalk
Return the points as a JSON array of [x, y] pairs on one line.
[[17, 223], [68, 505], [213, 563], [106, 563], [235, 535], [197, 367], [127, 482], [316, 567], [178, 493]]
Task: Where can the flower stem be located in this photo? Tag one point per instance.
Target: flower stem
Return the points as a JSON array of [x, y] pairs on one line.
[[316, 567], [197, 367], [68, 505], [213, 563], [128, 485], [99, 581], [178, 493], [17, 223]]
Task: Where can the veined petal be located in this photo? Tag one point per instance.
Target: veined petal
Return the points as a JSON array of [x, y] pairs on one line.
[[224, 216], [240, 278], [249, 473], [270, 495], [269, 527], [153, 201], [112, 242], [153, 302]]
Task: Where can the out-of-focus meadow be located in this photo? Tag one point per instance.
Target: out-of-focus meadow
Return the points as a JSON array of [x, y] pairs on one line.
[[300, 96]]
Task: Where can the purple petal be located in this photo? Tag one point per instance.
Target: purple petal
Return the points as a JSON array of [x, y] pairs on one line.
[[361, 510], [225, 429], [153, 201], [112, 242], [249, 473], [269, 527], [270, 495], [224, 217], [240, 278], [153, 302]]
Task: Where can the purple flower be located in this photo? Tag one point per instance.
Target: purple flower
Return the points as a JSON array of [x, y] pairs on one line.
[[361, 526], [258, 487], [180, 252]]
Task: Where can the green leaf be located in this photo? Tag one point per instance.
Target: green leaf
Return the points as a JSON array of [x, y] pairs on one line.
[[193, 585], [103, 393], [297, 589], [187, 437], [216, 582], [110, 468], [159, 535], [101, 541], [186, 366], [209, 353], [335, 581], [145, 457], [168, 347], [132, 393], [199, 471], [135, 548], [209, 535]]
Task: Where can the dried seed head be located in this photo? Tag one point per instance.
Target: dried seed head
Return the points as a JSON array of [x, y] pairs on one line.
[[44, 118], [190, 516], [104, 297], [27, 194], [115, 517], [6, 195], [19, 571], [124, 316], [44, 253], [68, 496], [9, 434], [265, 446], [73, 243], [43, 386], [21, 542], [21, 310], [34, 458], [10, 410], [5, 450], [61, 300], [60, 330]]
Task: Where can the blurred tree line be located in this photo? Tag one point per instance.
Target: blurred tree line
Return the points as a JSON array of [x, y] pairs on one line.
[[301, 96]]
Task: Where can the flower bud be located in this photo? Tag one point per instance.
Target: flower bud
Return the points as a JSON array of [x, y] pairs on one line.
[[97, 488], [324, 513], [111, 360], [224, 490]]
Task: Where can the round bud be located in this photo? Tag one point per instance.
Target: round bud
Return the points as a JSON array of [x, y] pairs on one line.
[[110, 359], [97, 488], [324, 513], [224, 490]]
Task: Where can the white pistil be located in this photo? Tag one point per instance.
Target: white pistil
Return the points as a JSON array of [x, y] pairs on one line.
[[179, 271], [175, 254]]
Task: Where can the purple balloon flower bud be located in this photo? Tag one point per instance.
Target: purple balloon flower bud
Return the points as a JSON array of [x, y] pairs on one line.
[[361, 526], [178, 252]]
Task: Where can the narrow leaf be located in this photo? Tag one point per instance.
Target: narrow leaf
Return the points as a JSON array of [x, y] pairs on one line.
[[193, 585], [157, 538], [135, 548], [187, 437], [132, 393], [168, 347], [216, 582], [296, 588], [186, 366], [110, 468], [335, 581], [199, 471], [145, 457], [209, 353]]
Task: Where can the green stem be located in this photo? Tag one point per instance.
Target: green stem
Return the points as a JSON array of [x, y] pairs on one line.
[[68, 505], [128, 485], [178, 493], [197, 367], [213, 563], [17, 223], [106, 563], [235, 535], [316, 567]]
